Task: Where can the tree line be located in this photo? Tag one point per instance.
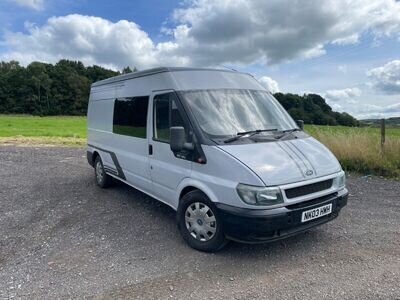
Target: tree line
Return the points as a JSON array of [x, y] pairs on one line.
[[313, 109], [63, 89]]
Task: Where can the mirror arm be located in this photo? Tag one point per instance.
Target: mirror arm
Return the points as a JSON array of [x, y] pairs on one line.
[[300, 123], [188, 146]]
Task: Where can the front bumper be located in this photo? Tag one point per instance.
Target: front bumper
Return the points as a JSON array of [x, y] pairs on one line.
[[265, 225]]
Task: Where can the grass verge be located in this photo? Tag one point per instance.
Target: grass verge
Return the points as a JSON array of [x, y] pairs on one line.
[[34, 126], [25, 130], [42, 141], [359, 149]]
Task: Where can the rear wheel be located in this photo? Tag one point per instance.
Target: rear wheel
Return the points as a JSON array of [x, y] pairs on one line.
[[102, 179], [199, 223]]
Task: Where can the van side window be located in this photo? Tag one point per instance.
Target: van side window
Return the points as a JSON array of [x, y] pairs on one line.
[[166, 114], [130, 116]]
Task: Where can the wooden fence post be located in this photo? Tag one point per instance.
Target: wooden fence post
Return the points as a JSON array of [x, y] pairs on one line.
[[382, 132]]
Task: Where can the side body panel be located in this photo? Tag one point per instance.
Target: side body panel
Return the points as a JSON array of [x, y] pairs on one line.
[[131, 153], [219, 177], [99, 122]]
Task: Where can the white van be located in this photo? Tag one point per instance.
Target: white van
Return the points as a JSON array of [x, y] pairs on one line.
[[216, 147]]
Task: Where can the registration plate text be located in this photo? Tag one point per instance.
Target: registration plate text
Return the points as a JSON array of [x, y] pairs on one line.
[[315, 213]]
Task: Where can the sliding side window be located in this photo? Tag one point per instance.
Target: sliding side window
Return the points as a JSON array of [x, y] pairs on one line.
[[130, 116]]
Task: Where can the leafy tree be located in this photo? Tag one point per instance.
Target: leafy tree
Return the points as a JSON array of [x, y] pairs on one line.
[[313, 109], [63, 88]]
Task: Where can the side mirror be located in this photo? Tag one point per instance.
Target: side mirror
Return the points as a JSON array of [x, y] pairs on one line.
[[178, 140], [300, 123]]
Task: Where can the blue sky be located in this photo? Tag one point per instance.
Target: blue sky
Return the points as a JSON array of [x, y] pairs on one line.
[[149, 14], [349, 52]]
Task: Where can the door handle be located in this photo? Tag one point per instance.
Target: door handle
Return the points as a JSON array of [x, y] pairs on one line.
[[150, 149]]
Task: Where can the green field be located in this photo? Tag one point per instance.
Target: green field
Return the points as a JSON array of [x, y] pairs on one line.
[[335, 130], [357, 148], [30, 126]]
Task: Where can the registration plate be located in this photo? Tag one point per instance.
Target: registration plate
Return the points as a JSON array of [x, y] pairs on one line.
[[315, 213]]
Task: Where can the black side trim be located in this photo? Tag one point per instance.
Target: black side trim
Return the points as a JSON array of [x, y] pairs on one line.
[[111, 171], [115, 161]]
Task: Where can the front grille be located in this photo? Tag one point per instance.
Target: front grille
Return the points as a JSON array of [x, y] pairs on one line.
[[308, 189], [312, 202]]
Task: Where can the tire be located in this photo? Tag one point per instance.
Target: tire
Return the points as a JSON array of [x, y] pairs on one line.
[[199, 223], [102, 179]]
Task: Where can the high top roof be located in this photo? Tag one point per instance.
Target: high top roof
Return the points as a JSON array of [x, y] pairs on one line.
[[152, 72]]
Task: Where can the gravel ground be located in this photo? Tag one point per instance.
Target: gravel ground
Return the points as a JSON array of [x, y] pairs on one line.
[[62, 237]]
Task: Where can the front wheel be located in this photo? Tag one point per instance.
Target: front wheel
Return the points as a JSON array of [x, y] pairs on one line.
[[199, 223]]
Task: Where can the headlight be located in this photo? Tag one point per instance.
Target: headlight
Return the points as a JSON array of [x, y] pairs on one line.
[[259, 195], [340, 181]]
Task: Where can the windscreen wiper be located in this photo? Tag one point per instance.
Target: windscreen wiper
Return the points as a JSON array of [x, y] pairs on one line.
[[285, 133], [250, 133]]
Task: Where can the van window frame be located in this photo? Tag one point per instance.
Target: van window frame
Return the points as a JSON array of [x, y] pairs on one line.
[[131, 99], [186, 124], [190, 125], [202, 137]]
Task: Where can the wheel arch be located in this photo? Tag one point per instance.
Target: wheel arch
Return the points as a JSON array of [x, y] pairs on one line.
[[94, 156], [188, 185]]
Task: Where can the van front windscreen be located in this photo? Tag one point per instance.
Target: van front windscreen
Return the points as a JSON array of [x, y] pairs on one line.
[[226, 112]]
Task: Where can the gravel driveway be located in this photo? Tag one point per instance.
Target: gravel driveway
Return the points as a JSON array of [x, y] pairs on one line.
[[62, 237]]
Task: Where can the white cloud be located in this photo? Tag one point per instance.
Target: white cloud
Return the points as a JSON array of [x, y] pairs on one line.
[[350, 100], [343, 99], [209, 33], [345, 95], [33, 4], [270, 84], [89, 39], [368, 111], [92, 40], [240, 31], [387, 77], [352, 39]]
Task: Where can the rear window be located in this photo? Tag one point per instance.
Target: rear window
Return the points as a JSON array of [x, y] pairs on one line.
[[130, 116]]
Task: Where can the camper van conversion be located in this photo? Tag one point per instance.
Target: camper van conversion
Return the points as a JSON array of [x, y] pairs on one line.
[[216, 147]]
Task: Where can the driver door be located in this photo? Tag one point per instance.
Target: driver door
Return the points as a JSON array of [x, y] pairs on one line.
[[166, 170]]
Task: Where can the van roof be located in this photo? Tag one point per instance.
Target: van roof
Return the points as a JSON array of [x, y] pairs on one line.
[[153, 71]]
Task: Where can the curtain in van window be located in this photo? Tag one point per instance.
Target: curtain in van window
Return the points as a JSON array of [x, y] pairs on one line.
[[226, 112]]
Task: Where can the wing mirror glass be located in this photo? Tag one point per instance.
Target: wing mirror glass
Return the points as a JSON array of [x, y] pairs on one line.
[[178, 139]]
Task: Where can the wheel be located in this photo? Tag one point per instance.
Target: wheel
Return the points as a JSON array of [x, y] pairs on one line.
[[102, 179], [199, 223]]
